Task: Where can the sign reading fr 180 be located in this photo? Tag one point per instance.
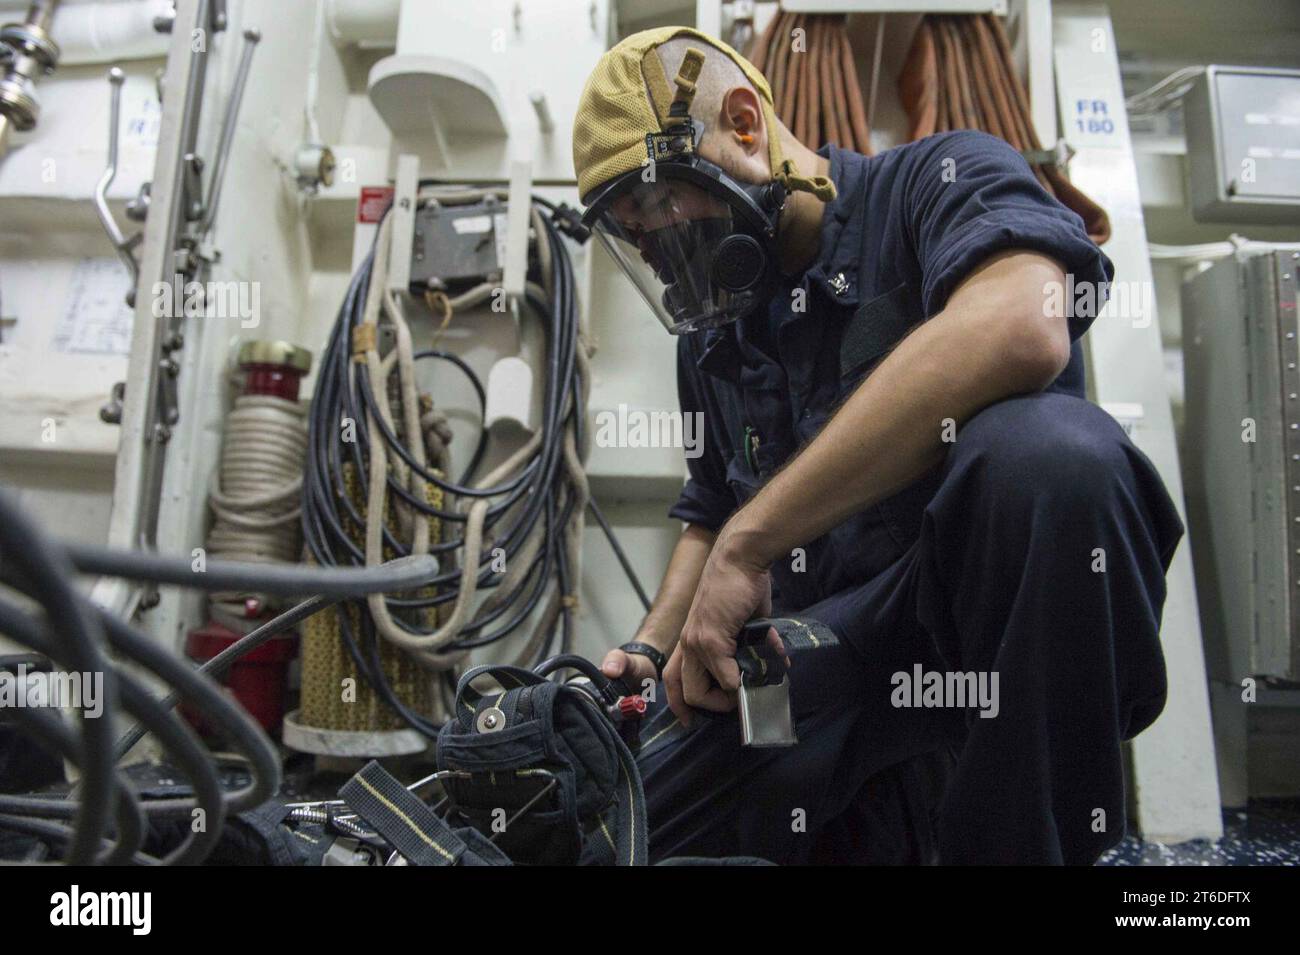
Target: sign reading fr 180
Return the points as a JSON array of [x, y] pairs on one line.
[[1092, 117]]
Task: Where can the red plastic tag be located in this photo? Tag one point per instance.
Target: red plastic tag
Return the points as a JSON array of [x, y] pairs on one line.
[[372, 203]]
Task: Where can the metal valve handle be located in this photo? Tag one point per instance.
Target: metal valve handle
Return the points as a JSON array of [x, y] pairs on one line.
[[121, 244]]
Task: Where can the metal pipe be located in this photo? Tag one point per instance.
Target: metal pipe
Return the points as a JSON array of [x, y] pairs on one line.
[[120, 243], [251, 38], [41, 13]]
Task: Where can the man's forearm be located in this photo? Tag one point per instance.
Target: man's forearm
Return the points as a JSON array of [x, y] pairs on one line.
[[891, 430], [663, 624]]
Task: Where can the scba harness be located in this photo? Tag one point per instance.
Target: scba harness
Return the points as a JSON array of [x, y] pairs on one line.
[[543, 768], [535, 772]]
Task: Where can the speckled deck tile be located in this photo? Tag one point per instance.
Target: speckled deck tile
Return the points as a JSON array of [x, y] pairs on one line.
[[1268, 833]]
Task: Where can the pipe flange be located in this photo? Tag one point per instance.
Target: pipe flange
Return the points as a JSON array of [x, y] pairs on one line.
[[18, 102], [261, 351], [31, 40]]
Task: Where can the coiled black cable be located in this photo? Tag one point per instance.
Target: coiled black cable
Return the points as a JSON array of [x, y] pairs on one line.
[[50, 732], [43, 572], [538, 498], [176, 737], [73, 631]]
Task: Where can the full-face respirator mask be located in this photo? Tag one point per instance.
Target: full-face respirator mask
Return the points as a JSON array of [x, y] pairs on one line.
[[698, 245]]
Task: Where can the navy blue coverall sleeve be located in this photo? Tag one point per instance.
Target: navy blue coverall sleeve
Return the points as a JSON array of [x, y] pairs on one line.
[[968, 196]]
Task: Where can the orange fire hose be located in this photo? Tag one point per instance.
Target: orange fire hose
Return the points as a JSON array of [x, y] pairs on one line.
[[959, 74], [814, 79]]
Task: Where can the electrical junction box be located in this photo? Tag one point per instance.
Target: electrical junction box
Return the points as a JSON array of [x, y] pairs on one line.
[[1243, 145], [457, 246]]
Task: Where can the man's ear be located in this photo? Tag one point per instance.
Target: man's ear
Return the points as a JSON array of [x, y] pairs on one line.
[[743, 119]]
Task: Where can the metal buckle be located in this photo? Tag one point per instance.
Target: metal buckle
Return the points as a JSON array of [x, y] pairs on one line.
[[674, 142], [765, 718]]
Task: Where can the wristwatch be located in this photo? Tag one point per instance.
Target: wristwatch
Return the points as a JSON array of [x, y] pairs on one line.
[[653, 654]]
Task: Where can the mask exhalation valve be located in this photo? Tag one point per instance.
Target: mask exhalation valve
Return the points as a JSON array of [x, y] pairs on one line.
[[738, 263]]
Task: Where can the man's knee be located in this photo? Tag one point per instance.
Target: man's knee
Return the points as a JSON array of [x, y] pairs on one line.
[[1045, 447]]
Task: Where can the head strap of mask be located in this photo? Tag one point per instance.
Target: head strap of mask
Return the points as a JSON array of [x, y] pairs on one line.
[[677, 115], [679, 136]]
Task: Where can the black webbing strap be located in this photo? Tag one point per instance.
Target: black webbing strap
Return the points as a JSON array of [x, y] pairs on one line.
[[874, 329], [523, 701], [631, 836], [469, 700], [759, 664], [798, 633], [400, 817]]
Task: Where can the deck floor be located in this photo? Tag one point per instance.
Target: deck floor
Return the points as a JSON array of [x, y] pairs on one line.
[[1267, 833]]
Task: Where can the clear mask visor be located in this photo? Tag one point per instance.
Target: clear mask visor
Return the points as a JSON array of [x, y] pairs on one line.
[[686, 251]]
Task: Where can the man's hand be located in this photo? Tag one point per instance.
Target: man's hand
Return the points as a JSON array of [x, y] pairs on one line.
[[663, 624], [633, 668], [702, 671]]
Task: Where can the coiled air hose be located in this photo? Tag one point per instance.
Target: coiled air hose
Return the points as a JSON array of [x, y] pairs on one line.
[[257, 489], [45, 574], [814, 79]]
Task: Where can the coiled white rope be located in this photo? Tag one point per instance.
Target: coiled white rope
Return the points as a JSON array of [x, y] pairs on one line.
[[255, 495]]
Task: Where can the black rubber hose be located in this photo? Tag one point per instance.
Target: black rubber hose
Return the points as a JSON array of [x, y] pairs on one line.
[[217, 666], [47, 730], [281, 580], [47, 577], [179, 740], [210, 699], [54, 831], [571, 661], [620, 554]]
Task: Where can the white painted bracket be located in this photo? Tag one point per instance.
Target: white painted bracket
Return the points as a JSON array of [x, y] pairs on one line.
[[403, 234], [515, 270], [416, 94]]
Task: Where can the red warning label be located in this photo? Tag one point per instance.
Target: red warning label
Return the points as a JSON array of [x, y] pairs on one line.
[[372, 203]]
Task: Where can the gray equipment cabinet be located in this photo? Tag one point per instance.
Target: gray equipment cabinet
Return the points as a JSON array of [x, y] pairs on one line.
[[1243, 145], [1242, 462]]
